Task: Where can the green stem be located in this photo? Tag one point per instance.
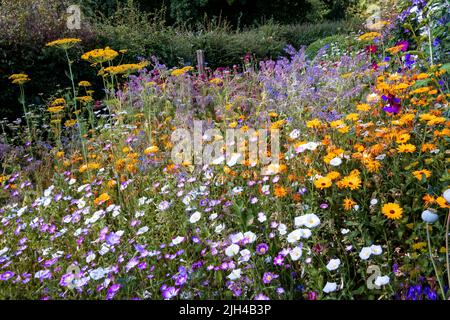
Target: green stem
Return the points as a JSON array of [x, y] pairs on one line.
[[434, 264]]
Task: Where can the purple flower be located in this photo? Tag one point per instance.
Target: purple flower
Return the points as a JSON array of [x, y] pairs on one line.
[[262, 248], [169, 292], [278, 260], [6, 275], [112, 291], [261, 296], [268, 277], [112, 239]]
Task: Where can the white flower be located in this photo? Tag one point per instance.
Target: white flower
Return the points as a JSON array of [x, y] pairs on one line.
[[177, 240], [219, 228], [90, 257], [235, 238], [345, 231], [235, 274], [336, 162], [213, 216], [3, 251], [233, 159], [98, 273], [365, 253], [294, 236], [142, 230], [219, 160], [81, 203], [295, 253], [373, 202], [250, 236], [376, 250], [282, 229], [195, 217], [311, 221], [333, 264], [446, 195], [300, 221], [245, 255], [232, 250], [381, 281], [330, 287], [262, 217], [311, 146], [294, 134]]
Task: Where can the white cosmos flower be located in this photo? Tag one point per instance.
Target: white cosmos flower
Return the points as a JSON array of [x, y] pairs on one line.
[[376, 250], [232, 250], [365, 253], [333, 264], [295, 253], [330, 287], [195, 217], [235, 274], [381, 280], [336, 162]]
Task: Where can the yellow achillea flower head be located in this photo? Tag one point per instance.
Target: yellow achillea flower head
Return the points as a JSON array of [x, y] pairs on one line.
[[392, 211], [127, 68], [84, 84], [369, 36], [19, 78], [100, 55], [65, 43]]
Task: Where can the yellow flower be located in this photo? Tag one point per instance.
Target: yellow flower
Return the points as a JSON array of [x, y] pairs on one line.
[[152, 149], [84, 84], [58, 102], [442, 203], [65, 43], [100, 55], [85, 99], [19, 78], [322, 183], [420, 173], [101, 199], [279, 191], [369, 36], [70, 123], [351, 181], [406, 148], [216, 81], [55, 109], [363, 107], [348, 204], [392, 211], [403, 138], [314, 123], [126, 68]]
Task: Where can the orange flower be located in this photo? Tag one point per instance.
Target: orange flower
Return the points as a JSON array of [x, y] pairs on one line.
[[101, 199]]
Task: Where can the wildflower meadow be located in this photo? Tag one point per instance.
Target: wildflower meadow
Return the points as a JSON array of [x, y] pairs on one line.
[[313, 175]]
